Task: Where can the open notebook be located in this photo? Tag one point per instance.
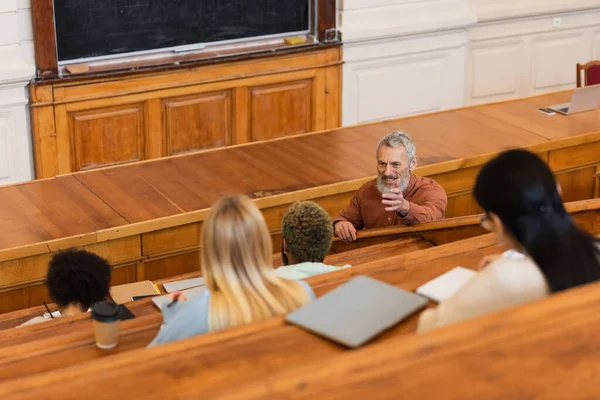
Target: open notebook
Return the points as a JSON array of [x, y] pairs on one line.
[[162, 301], [356, 312], [125, 293], [171, 287], [445, 285]]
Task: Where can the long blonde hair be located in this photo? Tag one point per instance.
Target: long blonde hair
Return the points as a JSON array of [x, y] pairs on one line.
[[236, 255]]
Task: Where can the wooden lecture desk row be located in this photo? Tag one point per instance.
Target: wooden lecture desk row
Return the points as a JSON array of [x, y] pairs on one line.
[[371, 245], [525, 352], [146, 217], [57, 344]]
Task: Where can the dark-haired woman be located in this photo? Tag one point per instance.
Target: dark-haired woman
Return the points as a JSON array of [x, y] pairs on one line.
[[523, 208]]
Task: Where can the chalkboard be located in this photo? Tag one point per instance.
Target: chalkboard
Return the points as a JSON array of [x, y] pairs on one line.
[[97, 28]]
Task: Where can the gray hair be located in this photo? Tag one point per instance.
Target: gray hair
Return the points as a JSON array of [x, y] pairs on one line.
[[396, 139]]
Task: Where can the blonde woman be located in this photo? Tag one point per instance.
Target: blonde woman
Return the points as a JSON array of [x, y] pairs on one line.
[[242, 286]]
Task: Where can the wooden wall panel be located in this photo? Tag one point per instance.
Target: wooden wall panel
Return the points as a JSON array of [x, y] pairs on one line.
[[172, 266], [36, 294], [281, 109], [198, 122], [461, 205], [96, 122], [107, 136], [577, 184]]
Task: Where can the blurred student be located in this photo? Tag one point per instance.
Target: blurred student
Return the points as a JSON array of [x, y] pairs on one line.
[[76, 280], [307, 234], [523, 208], [242, 286]]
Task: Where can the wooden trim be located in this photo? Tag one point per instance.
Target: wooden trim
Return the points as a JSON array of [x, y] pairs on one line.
[[326, 21], [459, 222], [44, 38]]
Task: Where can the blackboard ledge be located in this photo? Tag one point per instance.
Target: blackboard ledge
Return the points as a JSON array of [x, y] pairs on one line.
[[138, 65]]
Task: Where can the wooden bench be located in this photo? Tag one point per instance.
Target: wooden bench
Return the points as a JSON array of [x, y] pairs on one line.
[[42, 349], [355, 257], [525, 352]]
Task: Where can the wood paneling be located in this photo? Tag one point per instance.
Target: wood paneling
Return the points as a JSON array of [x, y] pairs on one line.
[[98, 122], [281, 109], [574, 156], [107, 136], [34, 295], [198, 122], [171, 266], [578, 184]]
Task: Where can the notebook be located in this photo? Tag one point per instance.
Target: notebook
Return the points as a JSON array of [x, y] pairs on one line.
[[445, 285], [171, 287], [356, 312], [124, 293], [161, 301]]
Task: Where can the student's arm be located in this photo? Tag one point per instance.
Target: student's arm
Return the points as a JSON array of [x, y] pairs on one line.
[[503, 283], [183, 320]]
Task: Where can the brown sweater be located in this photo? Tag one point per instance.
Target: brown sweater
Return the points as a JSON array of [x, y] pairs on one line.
[[427, 199]]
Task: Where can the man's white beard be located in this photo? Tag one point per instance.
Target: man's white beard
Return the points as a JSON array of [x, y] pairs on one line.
[[384, 188]]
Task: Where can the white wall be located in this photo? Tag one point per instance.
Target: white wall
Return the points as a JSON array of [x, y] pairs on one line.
[[399, 55], [525, 54], [16, 70], [406, 57]]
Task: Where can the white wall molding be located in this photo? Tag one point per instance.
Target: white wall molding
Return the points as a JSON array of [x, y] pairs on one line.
[[501, 10], [363, 20], [527, 56], [16, 71]]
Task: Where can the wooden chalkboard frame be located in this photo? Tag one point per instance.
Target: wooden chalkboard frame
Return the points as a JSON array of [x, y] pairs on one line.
[[44, 33]]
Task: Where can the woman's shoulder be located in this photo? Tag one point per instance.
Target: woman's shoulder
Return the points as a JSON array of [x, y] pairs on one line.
[[515, 272], [307, 287]]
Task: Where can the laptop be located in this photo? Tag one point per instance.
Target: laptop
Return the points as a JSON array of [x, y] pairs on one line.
[[446, 285], [584, 99], [161, 301], [356, 312], [171, 287]]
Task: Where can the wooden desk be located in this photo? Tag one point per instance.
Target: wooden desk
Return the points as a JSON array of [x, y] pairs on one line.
[[146, 217], [38, 349], [355, 257], [517, 353]]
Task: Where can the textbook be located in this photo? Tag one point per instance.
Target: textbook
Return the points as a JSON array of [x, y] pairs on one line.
[[124, 293]]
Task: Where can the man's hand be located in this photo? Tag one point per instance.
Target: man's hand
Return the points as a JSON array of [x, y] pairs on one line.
[[395, 201], [345, 231]]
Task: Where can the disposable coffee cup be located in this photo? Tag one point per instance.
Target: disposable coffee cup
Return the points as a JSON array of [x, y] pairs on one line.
[[106, 324]]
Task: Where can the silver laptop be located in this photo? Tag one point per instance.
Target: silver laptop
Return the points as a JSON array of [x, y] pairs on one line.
[[357, 311], [584, 99], [162, 301], [171, 287]]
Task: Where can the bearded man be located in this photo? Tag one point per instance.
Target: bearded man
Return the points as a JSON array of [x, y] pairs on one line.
[[396, 196]]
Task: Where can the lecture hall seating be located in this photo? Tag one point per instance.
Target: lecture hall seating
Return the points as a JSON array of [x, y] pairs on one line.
[[543, 349], [140, 215]]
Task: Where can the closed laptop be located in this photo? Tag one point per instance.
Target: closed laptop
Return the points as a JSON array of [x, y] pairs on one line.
[[357, 311]]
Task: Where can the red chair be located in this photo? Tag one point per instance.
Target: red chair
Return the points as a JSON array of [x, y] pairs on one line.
[[591, 73]]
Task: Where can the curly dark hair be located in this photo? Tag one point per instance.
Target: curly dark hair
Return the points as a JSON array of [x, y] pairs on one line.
[[78, 276], [307, 231]]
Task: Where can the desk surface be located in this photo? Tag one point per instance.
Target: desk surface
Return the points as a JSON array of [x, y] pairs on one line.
[[57, 344], [100, 203]]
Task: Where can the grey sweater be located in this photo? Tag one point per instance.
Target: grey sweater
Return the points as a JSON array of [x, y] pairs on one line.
[[190, 318]]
